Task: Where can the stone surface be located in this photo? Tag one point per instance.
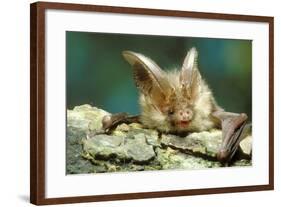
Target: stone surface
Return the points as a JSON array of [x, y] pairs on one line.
[[246, 145], [105, 147], [131, 147], [173, 159], [201, 143], [75, 164], [138, 149], [85, 117]]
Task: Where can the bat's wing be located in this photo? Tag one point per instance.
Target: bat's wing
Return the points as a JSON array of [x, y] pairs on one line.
[[233, 131], [110, 122]]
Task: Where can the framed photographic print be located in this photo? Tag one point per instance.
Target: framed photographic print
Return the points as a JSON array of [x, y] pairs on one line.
[[131, 103]]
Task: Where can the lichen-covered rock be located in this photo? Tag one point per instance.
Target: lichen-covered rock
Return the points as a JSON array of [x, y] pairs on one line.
[[74, 162], [202, 143], [246, 145], [85, 117], [138, 149], [174, 159], [105, 147], [242, 163], [132, 147]]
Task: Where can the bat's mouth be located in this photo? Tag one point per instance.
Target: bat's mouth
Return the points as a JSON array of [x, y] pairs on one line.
[[183, 124]]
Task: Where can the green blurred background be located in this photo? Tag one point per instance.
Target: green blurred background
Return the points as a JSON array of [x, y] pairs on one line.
[[98, 75]]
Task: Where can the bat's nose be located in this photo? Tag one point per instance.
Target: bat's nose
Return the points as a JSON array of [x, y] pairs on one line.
[[185, 114]]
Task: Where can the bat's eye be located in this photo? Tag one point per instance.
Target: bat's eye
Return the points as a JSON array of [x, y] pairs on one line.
[[171, 112]]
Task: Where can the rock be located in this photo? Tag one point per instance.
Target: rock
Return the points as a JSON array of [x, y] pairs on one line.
[[136, 126], [246, 145], [85, 117], [139, 150], [104, 147], [242, 163], [123, 128], [107, 147], [173, 159], [131, 130], [202, 143], [132, 147], [75, 164]]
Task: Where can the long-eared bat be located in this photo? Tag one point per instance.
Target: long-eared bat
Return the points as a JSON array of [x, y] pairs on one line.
[[178, 102]]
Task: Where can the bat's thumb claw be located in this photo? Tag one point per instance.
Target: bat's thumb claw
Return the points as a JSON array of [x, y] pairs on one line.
[[223, 156], [106, 121]]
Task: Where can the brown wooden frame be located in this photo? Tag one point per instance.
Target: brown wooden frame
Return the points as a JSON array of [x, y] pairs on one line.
[[37, 102]]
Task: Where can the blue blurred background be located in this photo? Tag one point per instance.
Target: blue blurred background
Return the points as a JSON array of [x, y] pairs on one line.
[[98, 75]]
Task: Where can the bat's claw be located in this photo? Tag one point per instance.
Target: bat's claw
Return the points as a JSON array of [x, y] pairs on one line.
[[223, 155], [109, 122], [106, 122]]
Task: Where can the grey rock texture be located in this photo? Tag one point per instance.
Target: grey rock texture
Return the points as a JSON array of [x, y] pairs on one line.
[[135, 148]]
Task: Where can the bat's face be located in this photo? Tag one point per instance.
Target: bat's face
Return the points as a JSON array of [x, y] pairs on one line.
[[178, 113], [180, 116]]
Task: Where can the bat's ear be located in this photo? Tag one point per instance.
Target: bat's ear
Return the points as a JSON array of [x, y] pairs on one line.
[[190, 77], [149, 78]]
